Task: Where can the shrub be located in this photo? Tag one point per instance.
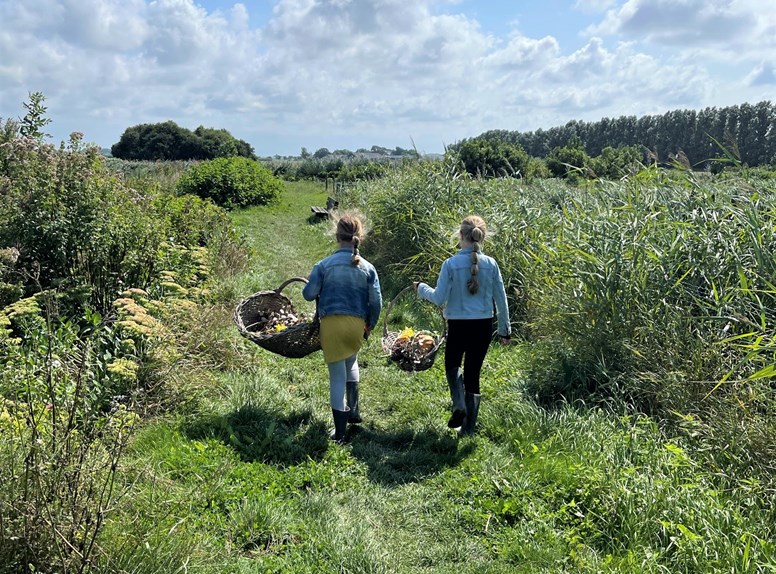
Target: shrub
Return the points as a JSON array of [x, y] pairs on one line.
[[63, 427], [537, 169], [73, 221], [167, 141], [362, 170], [231, 182], [615, 163], [492, 158], [569, 159], [88, 228]]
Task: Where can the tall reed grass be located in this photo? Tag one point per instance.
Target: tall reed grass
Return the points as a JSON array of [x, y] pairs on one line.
[[657, 290]]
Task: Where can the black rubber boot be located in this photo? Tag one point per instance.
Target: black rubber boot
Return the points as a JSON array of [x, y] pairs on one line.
[[340, 425], [472, 410], [455, 383], [351, 393]]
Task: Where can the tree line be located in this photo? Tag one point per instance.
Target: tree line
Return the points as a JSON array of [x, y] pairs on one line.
[[610, 147], [746, 131]]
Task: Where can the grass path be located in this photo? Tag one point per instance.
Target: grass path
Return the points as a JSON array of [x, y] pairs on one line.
[[247, 481]]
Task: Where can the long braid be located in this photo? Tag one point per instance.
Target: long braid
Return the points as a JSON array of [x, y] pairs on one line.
[[473, 230], [356, 259], [349, 228]]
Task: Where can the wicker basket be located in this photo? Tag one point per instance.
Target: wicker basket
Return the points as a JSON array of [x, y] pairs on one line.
[[294, 342], [417, 363]]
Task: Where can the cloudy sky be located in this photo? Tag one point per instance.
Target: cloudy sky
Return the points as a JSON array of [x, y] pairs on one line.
[[287, 74]]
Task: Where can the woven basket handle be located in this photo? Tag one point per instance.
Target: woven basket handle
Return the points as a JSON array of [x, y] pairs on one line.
[[301, 280], [393, 302], [288, 281]]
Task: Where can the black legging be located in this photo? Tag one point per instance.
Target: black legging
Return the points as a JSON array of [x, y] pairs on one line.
[[468, 339]]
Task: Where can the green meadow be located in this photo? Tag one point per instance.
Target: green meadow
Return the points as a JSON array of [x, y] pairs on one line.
[[615, 478], [629, 428]]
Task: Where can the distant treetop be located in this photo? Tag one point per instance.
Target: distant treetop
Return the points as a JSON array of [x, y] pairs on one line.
[[169, 141]]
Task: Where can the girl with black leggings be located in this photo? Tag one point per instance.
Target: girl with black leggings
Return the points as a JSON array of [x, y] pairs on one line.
[[469, 287]]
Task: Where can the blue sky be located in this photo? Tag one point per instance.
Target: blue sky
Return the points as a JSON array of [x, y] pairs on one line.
[[287, 74]]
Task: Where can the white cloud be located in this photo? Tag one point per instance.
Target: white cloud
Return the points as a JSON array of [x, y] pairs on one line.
[[371, 64], [594, 82], [522, 52], [593, 5], [322, 73], [90, 24], [763, 75], [717, 24]]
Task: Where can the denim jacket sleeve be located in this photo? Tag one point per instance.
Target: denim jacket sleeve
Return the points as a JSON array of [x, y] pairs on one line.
[[502, 309], [439, 295], [313, 287], [375, 301]]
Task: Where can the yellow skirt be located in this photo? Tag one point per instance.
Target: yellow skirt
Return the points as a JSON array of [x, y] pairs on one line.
[[341, 336]]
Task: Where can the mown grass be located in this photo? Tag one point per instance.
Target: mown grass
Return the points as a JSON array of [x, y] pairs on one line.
[[244, 479]]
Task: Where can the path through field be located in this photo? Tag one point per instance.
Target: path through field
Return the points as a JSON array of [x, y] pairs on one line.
[[247, 480]]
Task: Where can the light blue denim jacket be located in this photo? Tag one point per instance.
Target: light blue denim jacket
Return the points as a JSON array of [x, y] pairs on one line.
[[344, 288], [453, 295]]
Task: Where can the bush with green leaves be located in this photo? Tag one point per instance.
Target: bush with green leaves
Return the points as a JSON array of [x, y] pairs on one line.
[[167, 141], [65, 418], [616, 163], [361, 169], [569, 161], [231, 182], [491, 157], [77, 227], [74, 223], [320, 167], [536, 169], [340, 165]]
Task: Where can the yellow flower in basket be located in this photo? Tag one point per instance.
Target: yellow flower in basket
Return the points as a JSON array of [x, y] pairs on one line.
[[280, 327], [406, 334]]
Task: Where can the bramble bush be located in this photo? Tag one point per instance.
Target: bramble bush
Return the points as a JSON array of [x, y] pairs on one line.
[[231, 182]]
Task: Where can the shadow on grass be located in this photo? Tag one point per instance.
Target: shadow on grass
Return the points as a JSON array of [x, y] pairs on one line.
[[257, 434], [316, 220], [394, 458]]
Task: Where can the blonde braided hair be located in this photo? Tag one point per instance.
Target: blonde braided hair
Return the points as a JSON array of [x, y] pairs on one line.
[[473, 230], [350, 229]]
